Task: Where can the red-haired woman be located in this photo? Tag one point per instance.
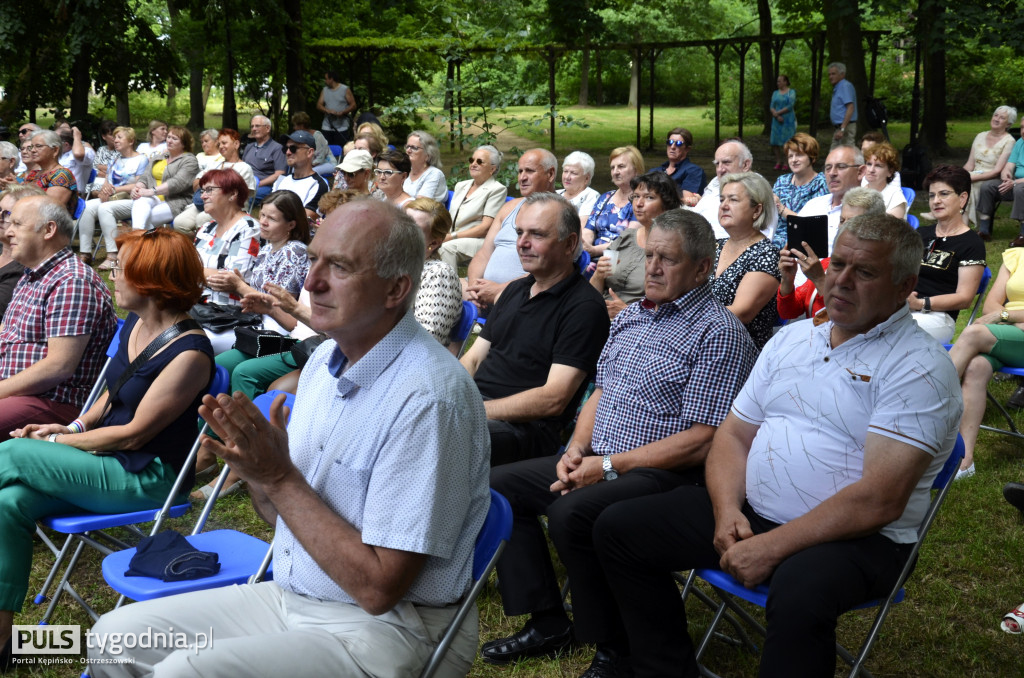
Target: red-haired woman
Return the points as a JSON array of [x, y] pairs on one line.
[[141, 432], [230, 242]]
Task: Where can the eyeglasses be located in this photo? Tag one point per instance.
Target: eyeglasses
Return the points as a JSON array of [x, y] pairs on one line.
[[841, 166], [385, 173], [208, 190], [115, 271], [410, 147], [259, 124], [941, 195], [673, 142], [33, 147]]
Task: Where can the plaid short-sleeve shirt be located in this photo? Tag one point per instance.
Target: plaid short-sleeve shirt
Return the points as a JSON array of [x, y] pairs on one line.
[[61, 298]]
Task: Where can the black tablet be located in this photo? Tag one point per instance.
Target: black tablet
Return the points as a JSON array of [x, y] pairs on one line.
[[812, 230]]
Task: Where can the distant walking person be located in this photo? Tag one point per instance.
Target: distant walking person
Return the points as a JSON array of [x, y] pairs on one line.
[[843, 111], [783, 118], [336, 102]]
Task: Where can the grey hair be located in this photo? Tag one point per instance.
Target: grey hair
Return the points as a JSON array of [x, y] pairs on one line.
[[858, 155], [495, 154], [867, 199], [547, 159], [8, 150], [743, 155], [19, 191], [49, 210], [568, 221], [212, 133], [259, 118], [430, 147], [906, 248], [1011, 114], [400, 252], [581, 160], [758, 190], [839, 66], [50, 138], [696, 232]]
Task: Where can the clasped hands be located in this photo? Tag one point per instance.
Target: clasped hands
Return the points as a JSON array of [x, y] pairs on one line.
[[743, 553], [577, 468], [265, 302], [225, 280], [256, 449]]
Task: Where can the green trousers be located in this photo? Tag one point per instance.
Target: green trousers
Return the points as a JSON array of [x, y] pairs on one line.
[[39, 478], [253, 376]]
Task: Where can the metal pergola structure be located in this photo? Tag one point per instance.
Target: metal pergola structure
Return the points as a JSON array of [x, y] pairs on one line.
[[640, 51]]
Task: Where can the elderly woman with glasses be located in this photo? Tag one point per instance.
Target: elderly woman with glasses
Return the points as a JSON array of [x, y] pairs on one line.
[[475, 202], [58, 182], [425, 178]]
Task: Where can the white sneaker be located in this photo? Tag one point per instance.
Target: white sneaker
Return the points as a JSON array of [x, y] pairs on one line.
[[964, 473]]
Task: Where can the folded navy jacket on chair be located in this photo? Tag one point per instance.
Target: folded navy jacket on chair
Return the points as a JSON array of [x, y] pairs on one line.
[[170, 557]]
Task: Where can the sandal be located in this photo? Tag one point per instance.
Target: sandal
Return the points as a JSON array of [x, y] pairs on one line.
[[1013, 621], [108, 263], [207, 474], [204, 492]]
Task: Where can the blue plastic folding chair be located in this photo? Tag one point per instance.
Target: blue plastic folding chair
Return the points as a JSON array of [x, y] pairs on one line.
[[728, 589], [86, 528], [913, 221], [909, 194], [336, 151], [448, 200], [461, 332], [243, 558], [495, 533]]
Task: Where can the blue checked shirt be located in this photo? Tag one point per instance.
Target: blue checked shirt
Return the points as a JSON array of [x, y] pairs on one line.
[[664, 370]]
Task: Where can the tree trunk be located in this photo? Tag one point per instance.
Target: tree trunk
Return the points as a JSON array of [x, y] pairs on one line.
[[768, 74], [80, 84], [599, 85], [295, 80], [172, 94], [634, 79], [585, 76], [845, 45], [931, 34], [123, 113], [207, 86], [230, 118], [449, 100]]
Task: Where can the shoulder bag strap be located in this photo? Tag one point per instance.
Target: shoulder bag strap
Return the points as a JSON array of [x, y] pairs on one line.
[[162, 340]]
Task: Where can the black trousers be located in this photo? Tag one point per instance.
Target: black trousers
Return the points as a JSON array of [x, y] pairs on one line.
[[526, 576], [514, 441], [640, 542]]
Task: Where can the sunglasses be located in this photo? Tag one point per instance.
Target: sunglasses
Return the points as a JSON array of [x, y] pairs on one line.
[[292, 148], [673, 142], [477, 161]]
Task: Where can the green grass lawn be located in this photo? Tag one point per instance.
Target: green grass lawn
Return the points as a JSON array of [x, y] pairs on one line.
[[964, 582]]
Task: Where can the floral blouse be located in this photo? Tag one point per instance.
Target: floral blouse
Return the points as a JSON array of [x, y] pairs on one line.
[[236, 249], [286, 267], [608, 221]]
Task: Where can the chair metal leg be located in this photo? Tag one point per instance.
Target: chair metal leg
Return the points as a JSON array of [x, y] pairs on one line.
[[61, 554], [1013, 431]]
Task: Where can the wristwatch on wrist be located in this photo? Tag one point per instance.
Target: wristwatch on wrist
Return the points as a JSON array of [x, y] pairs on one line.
[[52, 437], [1004, 317], [609, 471], [927, 305]]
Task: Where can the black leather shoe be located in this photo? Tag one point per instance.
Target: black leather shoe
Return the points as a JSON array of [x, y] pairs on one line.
[[5, 655], [607, 664], [529, 642], [1018, 241], [1014, 493], [1017, 399]]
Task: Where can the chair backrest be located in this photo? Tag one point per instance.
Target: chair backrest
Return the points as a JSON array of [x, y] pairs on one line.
[[92, 175], [448, 200], [463, 328], [986, 277], [913, 221], [336, 150], [909, 194], [79, 208], [583, 262], [490, 542]]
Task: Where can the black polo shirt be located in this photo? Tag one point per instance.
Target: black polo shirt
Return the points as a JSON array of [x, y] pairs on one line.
[[566, 325]]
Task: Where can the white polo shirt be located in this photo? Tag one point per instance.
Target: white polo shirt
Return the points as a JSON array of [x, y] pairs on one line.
[[815, 406]]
